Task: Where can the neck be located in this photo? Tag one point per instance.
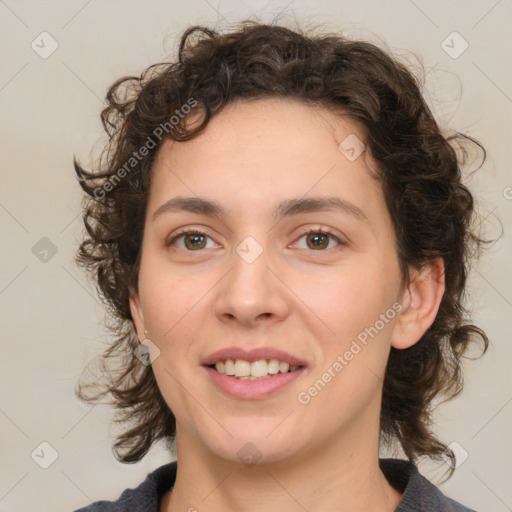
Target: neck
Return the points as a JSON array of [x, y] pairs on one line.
[[340, 475]]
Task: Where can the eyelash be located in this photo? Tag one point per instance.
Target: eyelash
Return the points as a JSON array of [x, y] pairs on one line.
[[309, 232]]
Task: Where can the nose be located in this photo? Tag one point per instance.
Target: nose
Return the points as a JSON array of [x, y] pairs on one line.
[[252, 293]]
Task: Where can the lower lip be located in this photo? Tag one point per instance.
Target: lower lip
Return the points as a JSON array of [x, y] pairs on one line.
[[252, 389]]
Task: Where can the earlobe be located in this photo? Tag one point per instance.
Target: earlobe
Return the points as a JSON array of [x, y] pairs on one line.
[[137, 315], [421, 301]]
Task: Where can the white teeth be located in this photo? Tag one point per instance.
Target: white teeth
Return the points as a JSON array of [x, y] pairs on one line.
[[273, 366], [246, 370], [242, 368], [229, 367], [259, 368]]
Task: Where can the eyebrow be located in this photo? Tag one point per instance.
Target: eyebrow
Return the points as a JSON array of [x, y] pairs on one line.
[[200, 205]]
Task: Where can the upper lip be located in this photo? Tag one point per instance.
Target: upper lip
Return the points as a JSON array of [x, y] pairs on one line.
[[252, 355]]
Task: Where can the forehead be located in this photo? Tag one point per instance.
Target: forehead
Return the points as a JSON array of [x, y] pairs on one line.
[[267, 151], [274, 122]]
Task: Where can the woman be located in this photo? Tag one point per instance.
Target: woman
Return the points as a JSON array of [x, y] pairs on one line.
[[281, 223]]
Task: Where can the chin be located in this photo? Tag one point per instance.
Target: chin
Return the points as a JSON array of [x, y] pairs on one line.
[[253, 453], [257, 449]]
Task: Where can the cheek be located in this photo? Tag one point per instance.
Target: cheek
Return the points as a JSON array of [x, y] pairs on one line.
[[350, 298], [166, 297], [352, 362], [171, 321]]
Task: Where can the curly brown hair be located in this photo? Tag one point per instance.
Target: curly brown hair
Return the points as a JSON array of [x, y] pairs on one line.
[[419, 169]]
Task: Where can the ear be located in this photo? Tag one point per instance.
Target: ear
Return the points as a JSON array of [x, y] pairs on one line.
[[137, 315], [420, 302]]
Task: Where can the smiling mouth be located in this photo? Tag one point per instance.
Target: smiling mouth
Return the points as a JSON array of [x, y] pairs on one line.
[[261, 369]]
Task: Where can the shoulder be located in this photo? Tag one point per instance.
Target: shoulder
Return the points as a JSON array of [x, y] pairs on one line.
[[143, 498], [419, 494]]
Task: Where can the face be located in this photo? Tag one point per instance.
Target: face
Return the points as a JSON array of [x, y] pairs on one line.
[[270, 268]]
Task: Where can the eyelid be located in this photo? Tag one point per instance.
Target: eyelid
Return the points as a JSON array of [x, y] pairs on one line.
[[187, 231], [313, 230], [323, 231]]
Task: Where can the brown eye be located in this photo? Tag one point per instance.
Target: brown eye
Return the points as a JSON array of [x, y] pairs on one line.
[[317, 240], [194, 241], [191, 241]]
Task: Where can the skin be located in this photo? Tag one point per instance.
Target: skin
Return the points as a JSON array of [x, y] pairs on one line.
[[296, 297]]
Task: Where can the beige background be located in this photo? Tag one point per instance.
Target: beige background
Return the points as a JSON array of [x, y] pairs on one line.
[[50, 318]]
